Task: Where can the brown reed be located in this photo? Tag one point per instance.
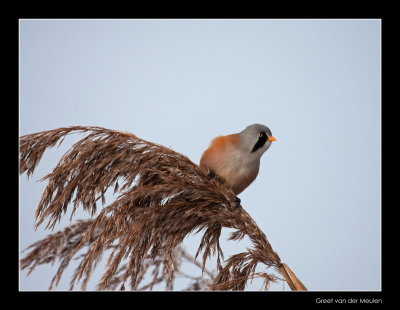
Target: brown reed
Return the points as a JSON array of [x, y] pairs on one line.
[[163, 197]]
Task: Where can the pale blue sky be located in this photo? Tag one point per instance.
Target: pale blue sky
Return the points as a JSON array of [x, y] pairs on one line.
[[315, 83]]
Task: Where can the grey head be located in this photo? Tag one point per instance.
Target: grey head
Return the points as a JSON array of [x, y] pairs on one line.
[[256, 139]]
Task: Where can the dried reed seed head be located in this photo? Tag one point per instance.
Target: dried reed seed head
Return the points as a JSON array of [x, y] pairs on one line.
[[163, 197]]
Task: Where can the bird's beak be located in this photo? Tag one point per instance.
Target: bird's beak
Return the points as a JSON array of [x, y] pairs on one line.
[[271, 138]]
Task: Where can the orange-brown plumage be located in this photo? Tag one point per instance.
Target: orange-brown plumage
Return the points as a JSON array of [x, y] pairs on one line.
[[217, 149], [236, 157]]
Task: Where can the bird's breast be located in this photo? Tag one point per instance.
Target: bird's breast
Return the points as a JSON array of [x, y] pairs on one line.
[[236, 167], [239, 171]]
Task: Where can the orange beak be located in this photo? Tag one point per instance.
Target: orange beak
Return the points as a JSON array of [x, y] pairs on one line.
[[271, 138]]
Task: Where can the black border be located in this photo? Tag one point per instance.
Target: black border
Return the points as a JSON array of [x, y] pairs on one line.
[[248, 298]]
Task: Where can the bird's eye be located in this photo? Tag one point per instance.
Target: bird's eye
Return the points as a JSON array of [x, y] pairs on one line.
[[260, 134]]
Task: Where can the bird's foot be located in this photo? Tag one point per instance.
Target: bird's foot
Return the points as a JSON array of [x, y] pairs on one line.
[[237, 202], [211, 175]]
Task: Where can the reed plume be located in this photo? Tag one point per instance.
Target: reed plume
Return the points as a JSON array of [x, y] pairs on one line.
[[162, 197]]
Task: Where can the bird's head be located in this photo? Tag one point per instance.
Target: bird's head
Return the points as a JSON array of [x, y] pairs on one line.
[[255, 139]]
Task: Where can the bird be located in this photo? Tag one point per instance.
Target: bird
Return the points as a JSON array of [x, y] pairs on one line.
[[235, 158]]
